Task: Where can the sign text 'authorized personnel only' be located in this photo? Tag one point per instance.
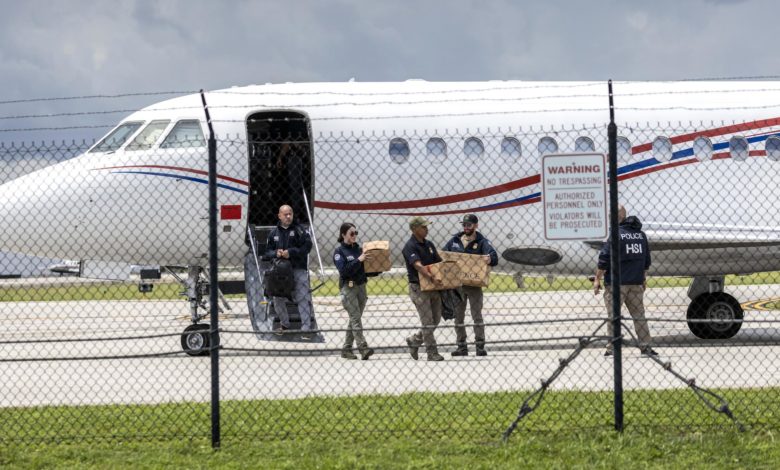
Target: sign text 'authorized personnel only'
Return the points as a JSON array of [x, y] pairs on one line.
[[574, 195]]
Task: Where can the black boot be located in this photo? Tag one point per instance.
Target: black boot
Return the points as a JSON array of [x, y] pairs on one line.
[[481, 348], [348, 354], [461, 350], [413, 347], [365, 352]]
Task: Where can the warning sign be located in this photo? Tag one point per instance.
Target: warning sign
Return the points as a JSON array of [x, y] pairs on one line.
[[574, 195]]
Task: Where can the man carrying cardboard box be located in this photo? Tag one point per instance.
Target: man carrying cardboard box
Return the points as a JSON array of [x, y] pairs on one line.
[[472, 242], [419, 253]]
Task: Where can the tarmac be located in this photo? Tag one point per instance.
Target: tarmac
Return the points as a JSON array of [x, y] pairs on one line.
[[110, 352]]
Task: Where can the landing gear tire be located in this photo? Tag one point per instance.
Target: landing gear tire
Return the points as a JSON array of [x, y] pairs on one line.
[[195, 339], [722, 313]]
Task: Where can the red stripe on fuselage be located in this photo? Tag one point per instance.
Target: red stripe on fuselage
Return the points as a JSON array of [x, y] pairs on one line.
[[747, 126], [435, 201], [188, 170], [463, 211]]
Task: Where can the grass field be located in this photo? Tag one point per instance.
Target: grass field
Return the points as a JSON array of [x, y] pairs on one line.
[[664, 429], [383, 285]]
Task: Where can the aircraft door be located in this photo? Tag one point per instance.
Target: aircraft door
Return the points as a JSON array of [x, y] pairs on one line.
[[280, 173], [280, 166]]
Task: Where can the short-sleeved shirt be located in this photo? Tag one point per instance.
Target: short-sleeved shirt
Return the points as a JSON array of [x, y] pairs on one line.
[[424, 252]]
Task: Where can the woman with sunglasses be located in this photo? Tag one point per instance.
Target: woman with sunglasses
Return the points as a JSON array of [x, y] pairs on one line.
[[348, 259]]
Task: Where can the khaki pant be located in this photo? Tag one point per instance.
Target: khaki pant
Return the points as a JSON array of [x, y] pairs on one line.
[[428, 305], [633, 298], [472, 295], [354, 301]]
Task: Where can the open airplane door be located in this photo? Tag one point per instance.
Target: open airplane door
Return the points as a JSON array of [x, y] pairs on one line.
[[280, 173]]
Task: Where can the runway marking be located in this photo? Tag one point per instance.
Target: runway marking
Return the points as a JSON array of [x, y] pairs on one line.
[[762, 305]]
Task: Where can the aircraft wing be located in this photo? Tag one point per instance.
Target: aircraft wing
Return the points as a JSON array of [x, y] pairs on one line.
[[706, 249], [674, 236]]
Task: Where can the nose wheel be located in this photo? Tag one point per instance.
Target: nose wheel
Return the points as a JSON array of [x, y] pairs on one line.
[[195, 339]]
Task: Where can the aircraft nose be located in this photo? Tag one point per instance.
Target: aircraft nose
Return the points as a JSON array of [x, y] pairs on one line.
[[38, 211]]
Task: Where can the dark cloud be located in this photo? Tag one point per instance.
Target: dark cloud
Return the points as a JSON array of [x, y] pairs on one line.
[[83, 48]]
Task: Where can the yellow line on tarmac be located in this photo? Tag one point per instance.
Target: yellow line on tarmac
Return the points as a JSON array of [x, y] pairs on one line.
[[762, 305]]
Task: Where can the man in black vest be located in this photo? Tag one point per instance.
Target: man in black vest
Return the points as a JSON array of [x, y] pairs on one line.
[[634, 263], [291, 241], [471, 241]]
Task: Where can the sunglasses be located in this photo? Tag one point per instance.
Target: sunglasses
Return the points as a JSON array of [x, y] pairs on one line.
[[352, 233]]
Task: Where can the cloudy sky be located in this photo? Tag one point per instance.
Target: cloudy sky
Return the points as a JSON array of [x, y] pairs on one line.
[[77, 47]]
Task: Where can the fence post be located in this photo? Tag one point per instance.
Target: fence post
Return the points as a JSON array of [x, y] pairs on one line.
[[615, 264], [213, 280]]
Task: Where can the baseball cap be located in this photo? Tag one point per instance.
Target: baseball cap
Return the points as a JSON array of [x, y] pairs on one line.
[[470, 219], [418, 222]]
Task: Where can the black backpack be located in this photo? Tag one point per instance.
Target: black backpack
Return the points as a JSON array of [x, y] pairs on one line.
[[450, 299], [278, 280]]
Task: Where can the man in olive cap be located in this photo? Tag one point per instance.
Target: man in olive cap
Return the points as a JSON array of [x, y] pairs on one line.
[[471, 241], [419, 253]]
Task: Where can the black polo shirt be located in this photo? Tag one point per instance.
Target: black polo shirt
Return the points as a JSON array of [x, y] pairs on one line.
[[415, 251]]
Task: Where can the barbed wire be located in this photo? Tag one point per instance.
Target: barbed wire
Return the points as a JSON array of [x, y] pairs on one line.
[[84, 97], [63, 128], [530, 86], [69, 114], [401, 93], [503, 99]]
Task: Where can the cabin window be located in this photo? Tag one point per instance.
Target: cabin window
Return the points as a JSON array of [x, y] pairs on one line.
[[185, 134], [116, 138], [399, 150], [773, 148], [473, 147], [662, 149], [702, 149], [148, 137], [510, 147], [584, 144], [623, 148], [547, 145], [436, 147], [738, 147]]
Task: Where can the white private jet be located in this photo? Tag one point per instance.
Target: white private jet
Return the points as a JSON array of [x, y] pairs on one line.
[[377, 153]]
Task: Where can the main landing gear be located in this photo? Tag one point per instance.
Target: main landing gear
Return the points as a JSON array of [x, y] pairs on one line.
[[712, 313]]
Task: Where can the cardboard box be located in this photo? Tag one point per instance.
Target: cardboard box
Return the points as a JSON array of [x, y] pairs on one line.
[[474, 271], [377, 256], [447, 271]]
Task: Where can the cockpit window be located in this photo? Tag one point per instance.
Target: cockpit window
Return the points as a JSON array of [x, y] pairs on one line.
[[116, 138], [185, 134], [147, 137]]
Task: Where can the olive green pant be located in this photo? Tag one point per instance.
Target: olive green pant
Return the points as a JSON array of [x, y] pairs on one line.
[[632, 296], [472, 295], [354, 301], [428, 304]]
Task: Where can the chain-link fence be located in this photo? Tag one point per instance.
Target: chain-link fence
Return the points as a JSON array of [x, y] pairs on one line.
[[106, 329]]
